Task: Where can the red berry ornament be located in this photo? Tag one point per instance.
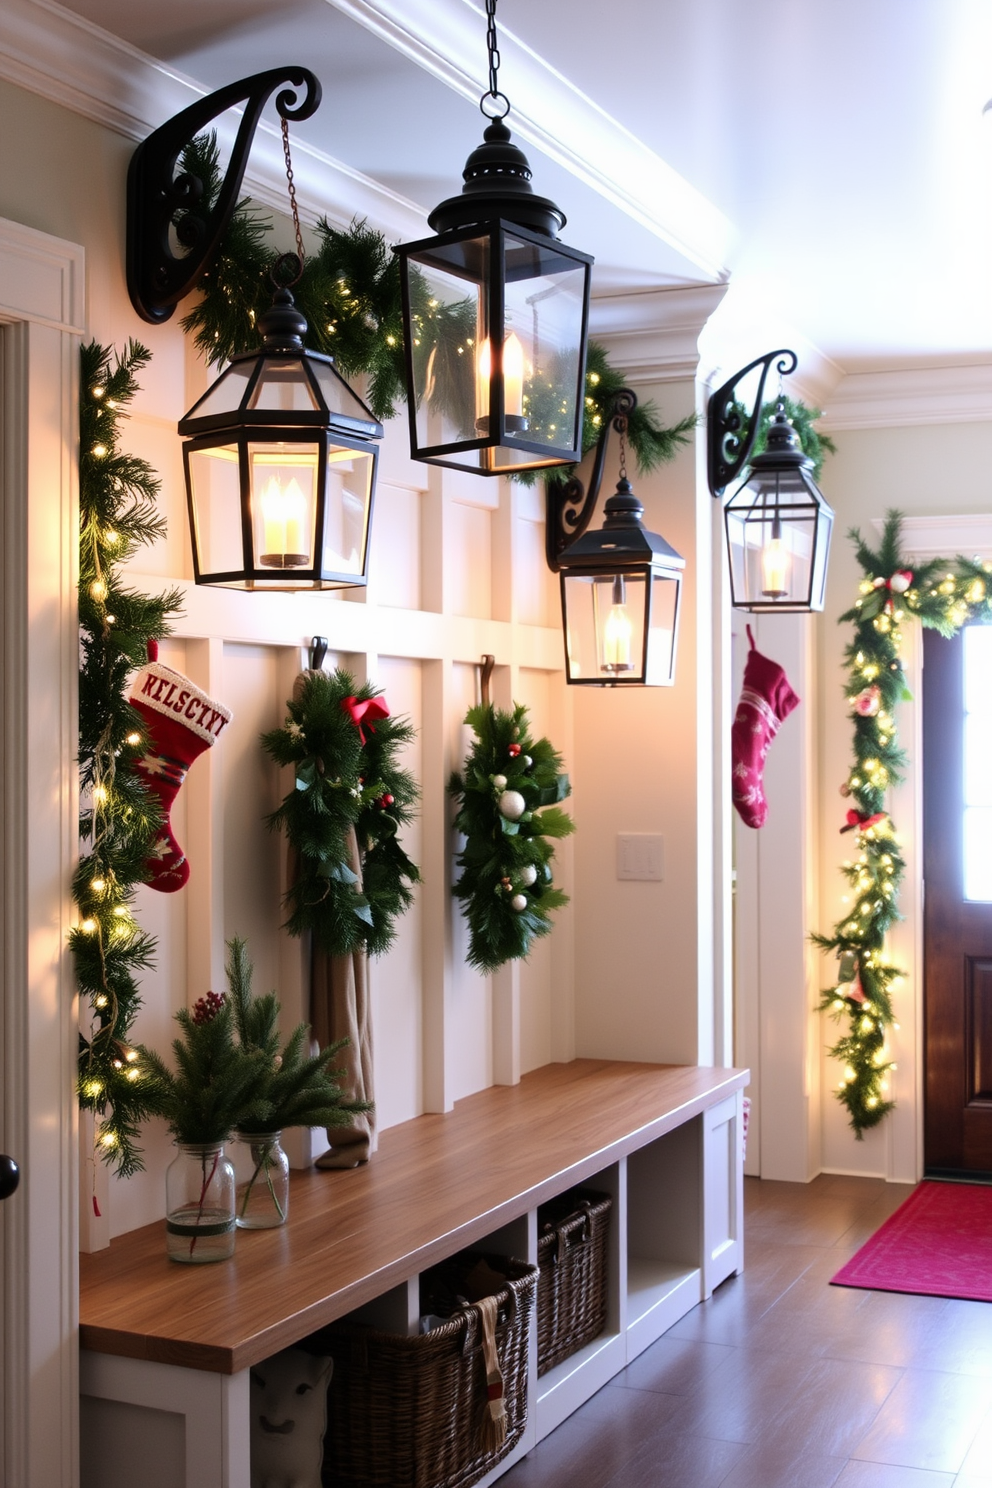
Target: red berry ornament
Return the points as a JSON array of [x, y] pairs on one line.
[[205, 1009], [513, 750]]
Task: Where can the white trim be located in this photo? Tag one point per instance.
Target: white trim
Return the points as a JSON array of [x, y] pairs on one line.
[[944, 536], [62, 57], [442, 36], [654, 334], [43, 294], [917, 395], [55, 53]]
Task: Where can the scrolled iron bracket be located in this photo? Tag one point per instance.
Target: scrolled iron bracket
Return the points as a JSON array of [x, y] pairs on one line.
[[570, 503], [727, 448], [158, 278]]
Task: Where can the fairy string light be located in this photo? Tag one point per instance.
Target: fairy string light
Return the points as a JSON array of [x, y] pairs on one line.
[[943, 595], [117, 515]]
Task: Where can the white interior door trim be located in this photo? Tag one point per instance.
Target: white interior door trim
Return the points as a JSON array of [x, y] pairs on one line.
[[42, 320]]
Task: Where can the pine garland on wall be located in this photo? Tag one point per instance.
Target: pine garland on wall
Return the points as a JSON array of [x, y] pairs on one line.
[[508, 796], [944, 595], [119, 818], [349, 292], [343, 746]]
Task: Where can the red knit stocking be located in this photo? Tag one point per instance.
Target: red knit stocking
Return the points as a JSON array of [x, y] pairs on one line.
[[766, 698], [180, 722]]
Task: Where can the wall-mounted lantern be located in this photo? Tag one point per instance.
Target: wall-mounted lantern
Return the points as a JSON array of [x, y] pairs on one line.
[[281, 461], [495, 317], [280, 468], [778, 522], [620, 584]]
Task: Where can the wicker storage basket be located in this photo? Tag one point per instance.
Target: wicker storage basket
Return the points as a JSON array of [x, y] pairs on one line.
[[571, 1291], [406, 1412]]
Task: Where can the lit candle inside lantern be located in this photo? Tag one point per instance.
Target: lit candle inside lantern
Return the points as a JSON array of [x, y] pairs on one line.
[[617, 631], [775, 563], [513, 377], [284, 518]]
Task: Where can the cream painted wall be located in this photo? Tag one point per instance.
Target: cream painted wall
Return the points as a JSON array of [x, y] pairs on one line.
[[924, 469], [643, 757]]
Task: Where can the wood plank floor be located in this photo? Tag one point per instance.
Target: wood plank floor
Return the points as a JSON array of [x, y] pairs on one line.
[[782, 1381]]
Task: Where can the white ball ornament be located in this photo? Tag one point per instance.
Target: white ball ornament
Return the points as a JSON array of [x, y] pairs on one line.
[[512, 805], [519, 902], [528, 875], [499, 781], [527, 761]]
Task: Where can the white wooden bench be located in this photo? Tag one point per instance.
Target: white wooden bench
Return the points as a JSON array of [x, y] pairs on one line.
[[166, 1349]]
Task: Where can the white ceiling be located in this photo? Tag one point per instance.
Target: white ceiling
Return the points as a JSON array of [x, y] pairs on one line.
[[832, 157]]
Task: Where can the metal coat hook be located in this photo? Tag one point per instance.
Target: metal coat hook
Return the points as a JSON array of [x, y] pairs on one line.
[[485, 674], [318, 650]]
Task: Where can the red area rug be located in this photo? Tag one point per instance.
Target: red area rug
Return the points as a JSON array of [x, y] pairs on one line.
[[937, 1244]]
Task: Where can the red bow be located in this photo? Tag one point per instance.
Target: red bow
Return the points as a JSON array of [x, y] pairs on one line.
[[368, 709], [856, 820]]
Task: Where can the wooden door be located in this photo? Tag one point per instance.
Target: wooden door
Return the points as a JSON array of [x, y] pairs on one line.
[[957, 920]]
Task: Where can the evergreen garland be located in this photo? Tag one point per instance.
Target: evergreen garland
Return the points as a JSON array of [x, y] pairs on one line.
[[508, 809], [349, 291], [812, 441], [943, 595], [346, 776], [119, 818]]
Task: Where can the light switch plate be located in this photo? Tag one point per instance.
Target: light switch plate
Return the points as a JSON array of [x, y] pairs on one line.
[[641, 855]]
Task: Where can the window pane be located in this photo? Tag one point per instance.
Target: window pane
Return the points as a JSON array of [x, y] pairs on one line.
[[978, 852]]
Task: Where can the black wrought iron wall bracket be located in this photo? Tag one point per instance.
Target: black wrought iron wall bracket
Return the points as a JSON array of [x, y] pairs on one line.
[[163, 207], [728, 449], [570, 503]]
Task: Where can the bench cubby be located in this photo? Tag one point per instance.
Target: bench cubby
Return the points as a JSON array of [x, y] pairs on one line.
[[161, 1342]]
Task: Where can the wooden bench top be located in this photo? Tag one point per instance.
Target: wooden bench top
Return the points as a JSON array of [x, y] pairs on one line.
[[437, 1183]]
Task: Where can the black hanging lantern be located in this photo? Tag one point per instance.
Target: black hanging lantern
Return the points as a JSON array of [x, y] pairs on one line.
[[280, 468], [620, 585], [495, 315], [778, 522]]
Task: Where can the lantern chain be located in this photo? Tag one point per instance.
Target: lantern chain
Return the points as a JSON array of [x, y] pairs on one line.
[[620, 424], [292, 198], [494, 97]]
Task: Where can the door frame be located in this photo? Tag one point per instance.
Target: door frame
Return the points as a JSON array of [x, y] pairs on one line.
[[942, 536], [41, 315]]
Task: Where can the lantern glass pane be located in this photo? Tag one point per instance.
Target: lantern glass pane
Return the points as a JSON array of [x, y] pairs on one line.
[[283, 387], [338, 396], [227, 393], [215, 490], [604, 626], [348, 493], [778, 535], [544, 300], [283, 506], [448, 316], [662, 630]]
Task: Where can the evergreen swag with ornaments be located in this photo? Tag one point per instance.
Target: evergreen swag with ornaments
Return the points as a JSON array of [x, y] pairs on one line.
[[943, 594], [120, 817], [343, 745], [349, 291], [508, 809]]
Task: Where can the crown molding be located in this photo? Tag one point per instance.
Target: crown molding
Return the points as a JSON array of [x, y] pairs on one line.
[[915, 395], [445, 36], [654, 334], [943, 536], [61, 57]]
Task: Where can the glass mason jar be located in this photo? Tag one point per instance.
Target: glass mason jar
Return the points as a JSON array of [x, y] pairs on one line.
[[199, 1204], [262, 1175]]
